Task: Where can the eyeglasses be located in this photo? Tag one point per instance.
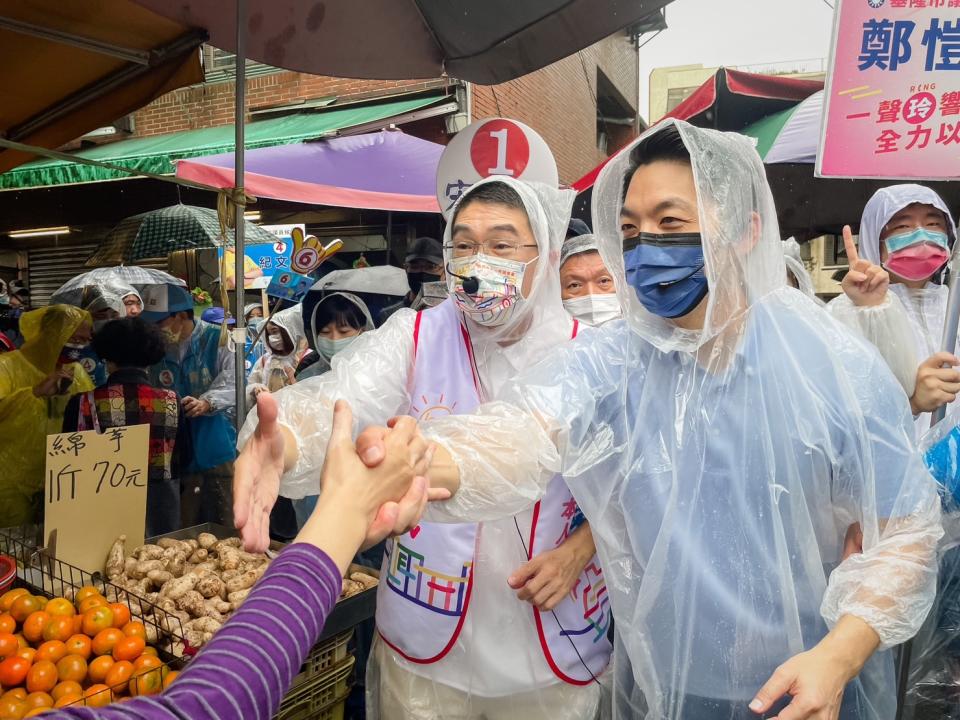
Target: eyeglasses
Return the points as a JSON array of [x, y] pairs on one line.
[[498, 248]]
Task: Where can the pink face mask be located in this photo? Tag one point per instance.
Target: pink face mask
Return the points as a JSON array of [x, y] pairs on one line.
[[917, 255]]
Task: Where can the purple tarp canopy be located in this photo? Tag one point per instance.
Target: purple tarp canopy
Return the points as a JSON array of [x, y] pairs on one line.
[[386, 170]]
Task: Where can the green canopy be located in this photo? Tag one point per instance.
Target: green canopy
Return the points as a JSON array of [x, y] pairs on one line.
[[158, 153]]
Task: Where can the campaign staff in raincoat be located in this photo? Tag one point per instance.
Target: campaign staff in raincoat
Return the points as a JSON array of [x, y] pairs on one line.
[[36, 383], [907, 231], [201, 370], [586, 285], [721, 440], [286, 342], [502, 619]]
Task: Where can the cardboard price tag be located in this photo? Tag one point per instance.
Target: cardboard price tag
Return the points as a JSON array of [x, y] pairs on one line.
[[95, 490]]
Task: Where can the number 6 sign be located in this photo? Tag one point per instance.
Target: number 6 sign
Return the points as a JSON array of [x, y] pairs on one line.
[[495, 146]]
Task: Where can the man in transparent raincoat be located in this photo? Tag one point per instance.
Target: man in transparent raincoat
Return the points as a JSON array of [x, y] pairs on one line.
[[720, 439], [506, 619]]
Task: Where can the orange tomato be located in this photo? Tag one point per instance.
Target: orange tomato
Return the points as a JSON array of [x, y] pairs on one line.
[[97, 696], [39, 700], [69, 687], [24, 605], [6, 600], [36, 711], [100, 667], [169, 678], [72, 667], [23, 641], [28, 654], [105, 640], [33, 626], [119, 676], [150, 650], [69, 700], [85, 592], [60, 606], [96, 620], [7, 623], [146, 662], [121, 614], [19, 693], [13, 671], [90, 603], [8, 645], [81, 645], [12, 708], [58, 627], [42, 677], [134, 629], [52, 650], [130, 648]]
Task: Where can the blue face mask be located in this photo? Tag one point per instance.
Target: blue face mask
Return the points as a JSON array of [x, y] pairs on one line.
[[666, 271]]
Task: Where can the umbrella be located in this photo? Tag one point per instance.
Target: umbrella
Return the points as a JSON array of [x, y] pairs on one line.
[[72, 291], [484, 42], [808, 206], [71, 66], [731, 100], [159, 232], [387, 170]]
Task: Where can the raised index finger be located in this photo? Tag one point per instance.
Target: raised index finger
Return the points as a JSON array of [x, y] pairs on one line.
[[852, 257]]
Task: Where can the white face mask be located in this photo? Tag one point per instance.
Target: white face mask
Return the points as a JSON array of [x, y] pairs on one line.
[[275, 342], [500, 292], [594, 309], [327, 348]]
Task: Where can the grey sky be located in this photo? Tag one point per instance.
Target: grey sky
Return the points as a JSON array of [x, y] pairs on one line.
[[736, 32]]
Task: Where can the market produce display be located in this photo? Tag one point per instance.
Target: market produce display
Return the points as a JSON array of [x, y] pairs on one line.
[[192, 586], [81, 649]]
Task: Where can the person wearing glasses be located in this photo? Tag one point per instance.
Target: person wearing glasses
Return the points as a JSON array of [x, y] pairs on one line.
[[504, 619]]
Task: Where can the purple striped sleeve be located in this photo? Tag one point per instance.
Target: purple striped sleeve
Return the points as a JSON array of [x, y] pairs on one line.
[[249, 665]]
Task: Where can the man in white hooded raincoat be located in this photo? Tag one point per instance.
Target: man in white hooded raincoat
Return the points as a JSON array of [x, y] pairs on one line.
[[720, 439], [506, 619]]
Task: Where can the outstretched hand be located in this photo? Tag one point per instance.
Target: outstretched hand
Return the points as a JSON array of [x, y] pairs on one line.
[[256, 477]]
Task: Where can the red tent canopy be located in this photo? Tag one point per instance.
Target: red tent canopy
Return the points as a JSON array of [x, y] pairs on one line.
[[731, 100]]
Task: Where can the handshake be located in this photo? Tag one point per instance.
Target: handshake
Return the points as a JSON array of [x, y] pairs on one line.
[[370, 490]]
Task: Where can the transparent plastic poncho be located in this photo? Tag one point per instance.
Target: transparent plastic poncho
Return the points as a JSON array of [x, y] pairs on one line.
[[908, 326], [719, 468], [497, 661], [275, 370]]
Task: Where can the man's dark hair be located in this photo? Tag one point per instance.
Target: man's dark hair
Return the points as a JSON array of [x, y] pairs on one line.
[[342, 312], [493, 193], [130, 342], [664, 145]]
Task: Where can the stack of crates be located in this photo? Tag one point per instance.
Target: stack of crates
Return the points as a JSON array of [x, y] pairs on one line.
[[321, 689]]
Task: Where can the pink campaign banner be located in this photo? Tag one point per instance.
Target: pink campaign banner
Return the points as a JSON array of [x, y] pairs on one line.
[[892, 105]]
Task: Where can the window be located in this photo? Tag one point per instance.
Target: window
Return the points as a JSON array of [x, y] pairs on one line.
[[834, 253], [218, 66], [675, 96]]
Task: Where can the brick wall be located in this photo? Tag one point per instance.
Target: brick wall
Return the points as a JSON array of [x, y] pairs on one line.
[[558, 102], [204, 106]]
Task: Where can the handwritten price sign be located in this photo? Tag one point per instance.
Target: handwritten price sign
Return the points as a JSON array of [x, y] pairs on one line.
[[96, 489]]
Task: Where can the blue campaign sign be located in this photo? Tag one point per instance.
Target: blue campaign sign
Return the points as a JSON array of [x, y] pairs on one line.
[[289, 285], [271, 257]]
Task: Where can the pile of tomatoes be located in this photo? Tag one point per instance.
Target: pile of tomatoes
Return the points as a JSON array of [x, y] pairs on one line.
[[55, 653]]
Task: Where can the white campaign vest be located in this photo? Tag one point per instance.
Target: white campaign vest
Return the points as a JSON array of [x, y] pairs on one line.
[[427, 575]]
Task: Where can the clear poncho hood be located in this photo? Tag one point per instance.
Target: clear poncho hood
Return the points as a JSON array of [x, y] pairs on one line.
[[290, 321], [886, 203], [540, 319], [736, 211]]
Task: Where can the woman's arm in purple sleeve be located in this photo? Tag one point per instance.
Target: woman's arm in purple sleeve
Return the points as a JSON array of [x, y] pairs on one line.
[[247, 668]]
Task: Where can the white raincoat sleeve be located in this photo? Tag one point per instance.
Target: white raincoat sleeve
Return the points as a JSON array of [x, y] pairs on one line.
[[508, 452], [887, 328], [371, 374]]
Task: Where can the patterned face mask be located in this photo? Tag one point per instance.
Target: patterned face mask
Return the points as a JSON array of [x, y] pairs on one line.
[[495, 285]]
